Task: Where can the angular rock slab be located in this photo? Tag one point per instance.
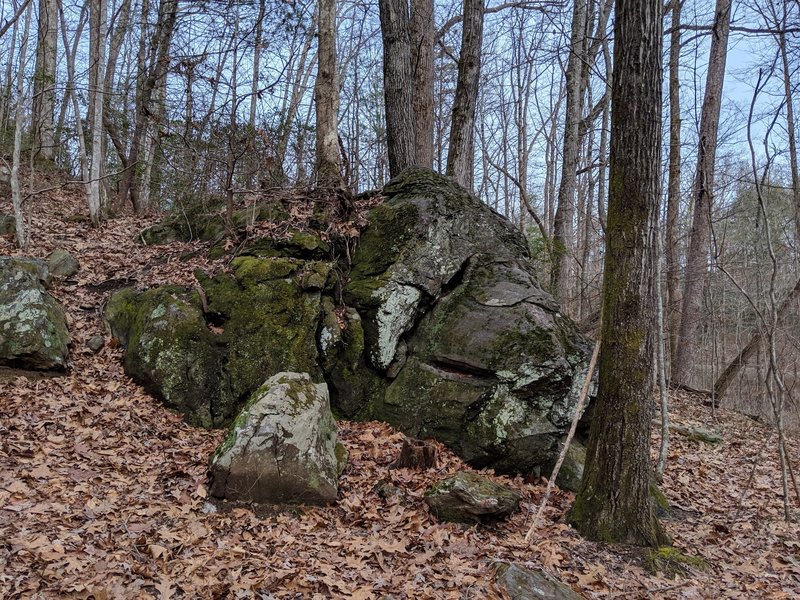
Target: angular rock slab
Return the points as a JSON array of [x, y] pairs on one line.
[[282, 447], [33, 326], [471, 498], [523, 583]]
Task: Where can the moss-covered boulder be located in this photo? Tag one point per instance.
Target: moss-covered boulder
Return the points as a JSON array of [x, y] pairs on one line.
[[282, 446], [33, 326], [471, 498], [170, 350], [473, 351], [205, 360]]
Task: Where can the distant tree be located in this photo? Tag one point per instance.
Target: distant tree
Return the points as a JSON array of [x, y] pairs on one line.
[[44, 80], [702, 198], [461, 150], [614, 503]]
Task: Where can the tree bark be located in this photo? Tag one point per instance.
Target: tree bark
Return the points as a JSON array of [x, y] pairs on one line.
[[614, 502], [395, 29], [702, 193], [16, 191], [563, 231], [460, 153], [326, 98], [674, 185], [422, 36], [44, 80], [98, 59]]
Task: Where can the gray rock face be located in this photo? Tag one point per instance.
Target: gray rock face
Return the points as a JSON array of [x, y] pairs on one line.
[[473, 351], [523, 583], [282, 447], [62, 264], [33, 326], [471, 498]]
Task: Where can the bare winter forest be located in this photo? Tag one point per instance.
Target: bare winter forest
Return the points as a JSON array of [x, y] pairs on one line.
[[653, 144]]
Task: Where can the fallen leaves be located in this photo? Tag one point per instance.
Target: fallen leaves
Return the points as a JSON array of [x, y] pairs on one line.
[[103, 491]]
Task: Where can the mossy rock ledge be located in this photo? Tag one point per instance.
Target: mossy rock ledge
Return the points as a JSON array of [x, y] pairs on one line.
[[206, 360], [473, 352], [33, 325]]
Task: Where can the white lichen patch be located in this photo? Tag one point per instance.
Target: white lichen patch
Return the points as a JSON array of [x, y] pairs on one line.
[[396, 316]]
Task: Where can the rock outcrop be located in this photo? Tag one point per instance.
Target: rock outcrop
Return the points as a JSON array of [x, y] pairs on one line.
[[440, 329], [33, 326], [282, 447], [471, 498]]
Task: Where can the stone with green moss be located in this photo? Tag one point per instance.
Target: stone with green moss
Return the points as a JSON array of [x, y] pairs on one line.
[[671, 561], [33, 326], [471, 498], [170, 350], [282, 448]]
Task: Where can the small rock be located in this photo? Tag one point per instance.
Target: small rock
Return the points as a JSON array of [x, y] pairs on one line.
[[571, 472], [386, 489], [282, 447], [7, 224], [33, 326], [471, 498], [96, 343], [62, 264], [523, 583]]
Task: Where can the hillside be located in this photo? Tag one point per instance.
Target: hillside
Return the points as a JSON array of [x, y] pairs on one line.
[[103, 491]]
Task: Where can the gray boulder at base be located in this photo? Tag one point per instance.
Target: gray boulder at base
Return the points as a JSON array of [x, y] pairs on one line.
[[62, 264], [471, 498], [33, 326], [474, 353], [282, 447], [523, 583]]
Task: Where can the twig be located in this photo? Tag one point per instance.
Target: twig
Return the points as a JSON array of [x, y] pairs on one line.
[[576, 417]]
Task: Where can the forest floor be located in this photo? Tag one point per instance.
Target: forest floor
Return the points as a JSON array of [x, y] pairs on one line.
[[103, 491]]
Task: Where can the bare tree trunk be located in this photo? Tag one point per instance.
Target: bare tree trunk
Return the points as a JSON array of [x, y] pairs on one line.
[[460, 153], [563, 231], [44, 81], [395, 28], [16, 191], [614, 502], [790, 131], [697, 259], [326, 99], [674, 185], [98, 59], [422, 36], [149, 74], [254, 93]]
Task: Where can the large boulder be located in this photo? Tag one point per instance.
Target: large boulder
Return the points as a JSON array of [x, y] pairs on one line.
[[33, 326], [204, 356], [473, 351], [282, 446]]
